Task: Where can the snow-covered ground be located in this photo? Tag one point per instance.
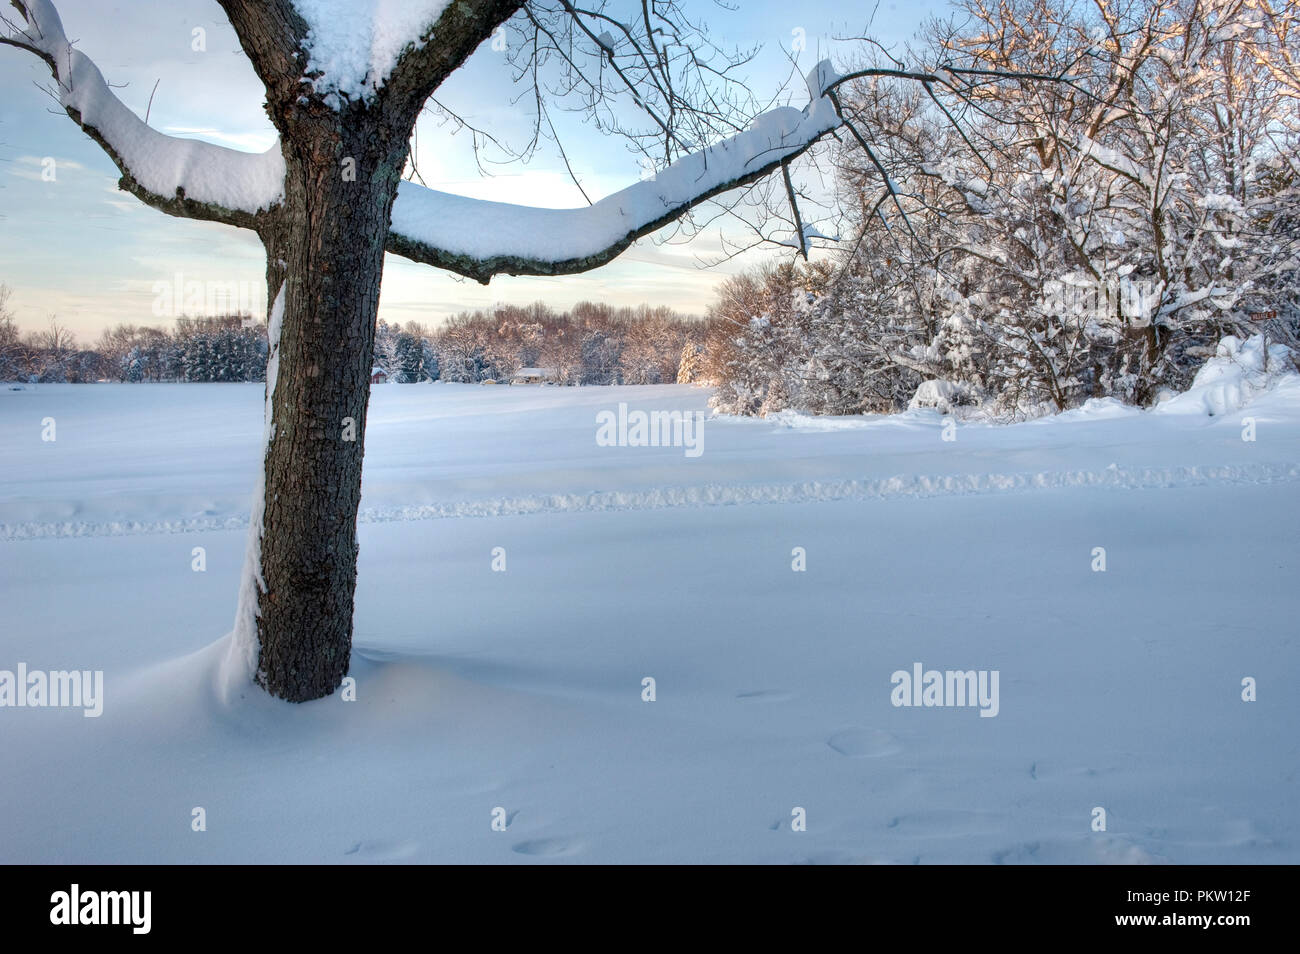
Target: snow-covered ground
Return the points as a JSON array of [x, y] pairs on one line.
[[523, 690]]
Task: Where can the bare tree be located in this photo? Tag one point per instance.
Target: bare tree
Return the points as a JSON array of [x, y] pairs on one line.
[[56, 337], [9, 338], [328, 201]]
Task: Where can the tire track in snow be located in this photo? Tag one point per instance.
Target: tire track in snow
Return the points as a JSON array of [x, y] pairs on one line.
[[716, 495]]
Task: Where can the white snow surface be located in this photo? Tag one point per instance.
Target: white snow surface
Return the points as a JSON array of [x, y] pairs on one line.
[[355, 44], [522, 689]]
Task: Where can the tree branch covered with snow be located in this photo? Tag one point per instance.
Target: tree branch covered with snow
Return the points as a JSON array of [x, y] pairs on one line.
[[430, 226], [182, 177], [322, 61], [314, 55]]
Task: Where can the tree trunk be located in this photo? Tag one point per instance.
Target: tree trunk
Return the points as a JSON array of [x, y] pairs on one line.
[[325, 255], [1150, 348]]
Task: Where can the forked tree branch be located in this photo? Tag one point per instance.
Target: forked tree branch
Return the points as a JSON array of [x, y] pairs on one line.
[[473, 238]]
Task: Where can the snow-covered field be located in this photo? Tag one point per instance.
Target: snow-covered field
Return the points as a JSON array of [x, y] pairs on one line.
[[523, 690]]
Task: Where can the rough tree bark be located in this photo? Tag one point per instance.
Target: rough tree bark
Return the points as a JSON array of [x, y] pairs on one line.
[[325, 254], [325, 246]]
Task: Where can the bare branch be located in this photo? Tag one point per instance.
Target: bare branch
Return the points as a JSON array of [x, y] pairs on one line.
[[794, 210]]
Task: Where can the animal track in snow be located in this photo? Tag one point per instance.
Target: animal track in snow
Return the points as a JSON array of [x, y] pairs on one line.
[[860, 743], [765, 695], [548, 847]]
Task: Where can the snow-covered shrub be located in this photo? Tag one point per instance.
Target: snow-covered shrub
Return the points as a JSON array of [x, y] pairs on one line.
[[1047, 254], [1238, 371], [810, 338], [944, 396]]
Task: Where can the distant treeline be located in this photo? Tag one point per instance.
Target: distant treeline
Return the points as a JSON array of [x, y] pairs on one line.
[[226, 348], [590, 344]]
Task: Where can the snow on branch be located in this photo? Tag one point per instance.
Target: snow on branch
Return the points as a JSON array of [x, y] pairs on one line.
[[183, 177], [479, 239], [354, 47]]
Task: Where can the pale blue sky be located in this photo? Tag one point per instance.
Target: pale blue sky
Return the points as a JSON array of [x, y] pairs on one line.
[[79, 248]]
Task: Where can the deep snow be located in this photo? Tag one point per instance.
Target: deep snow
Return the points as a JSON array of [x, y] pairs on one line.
[[523, 689]]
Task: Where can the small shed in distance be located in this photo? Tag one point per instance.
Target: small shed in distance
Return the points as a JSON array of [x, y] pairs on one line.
[[533, 376]]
